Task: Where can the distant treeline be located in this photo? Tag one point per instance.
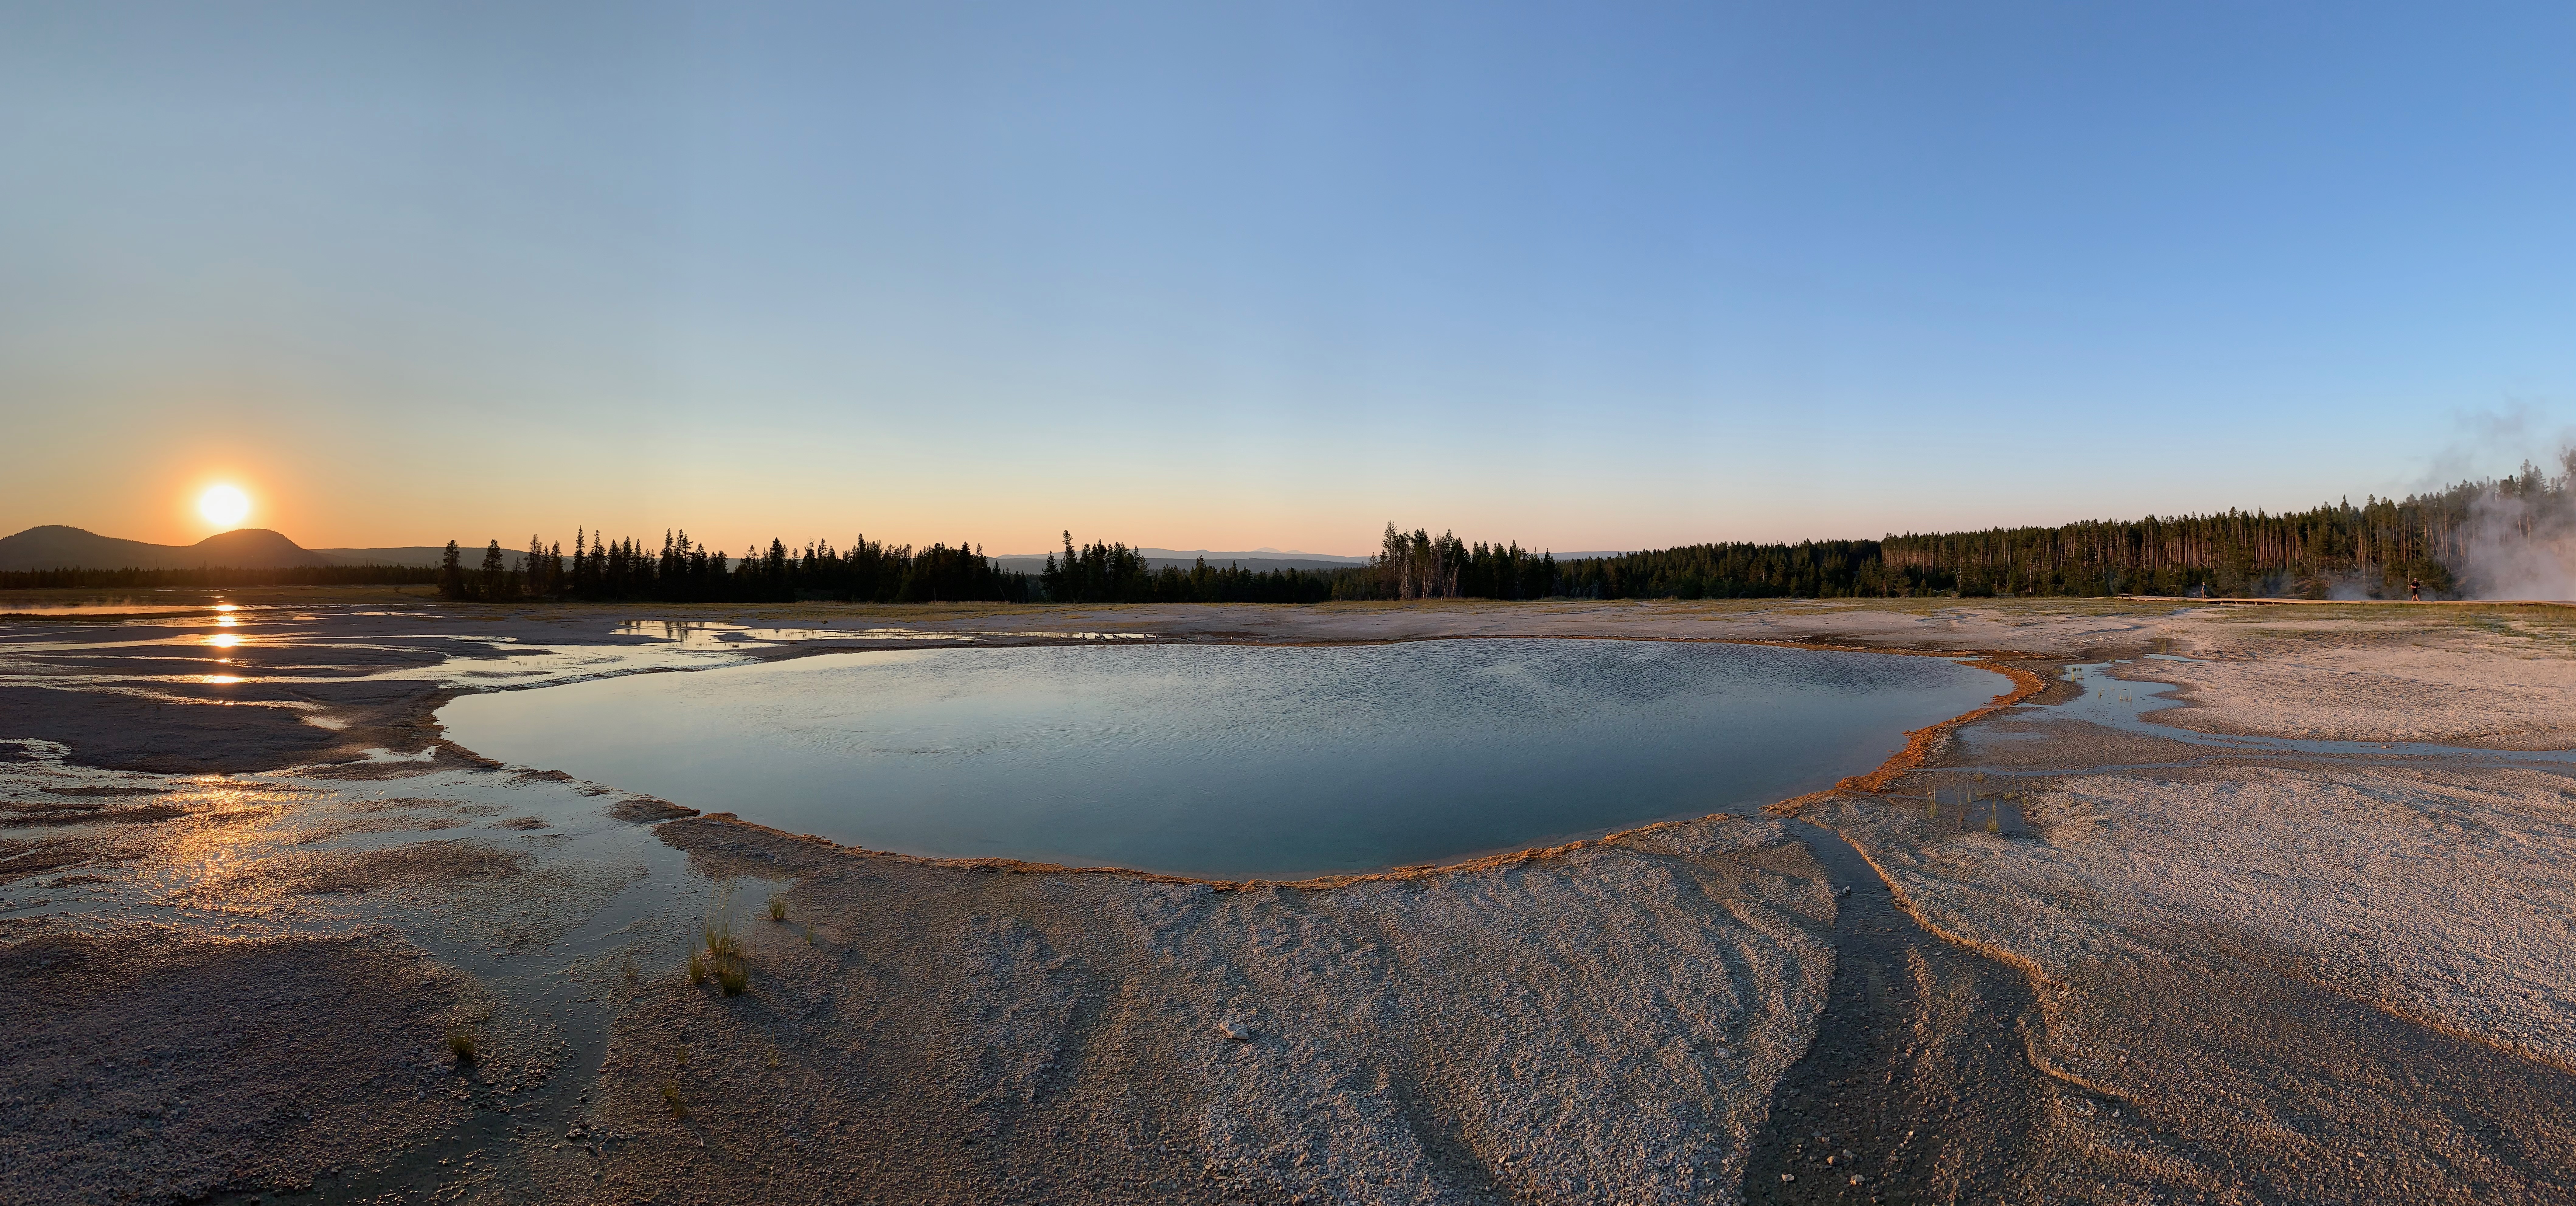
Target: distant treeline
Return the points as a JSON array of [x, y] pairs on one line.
[[684, 571], [218, 577], [2509, 538], [1422, 566], [1408, 566], [2514, 537], [2492, 539], [1414, 566], [1811, 569], [2371, 550], [1114, 573], [2501, 538]]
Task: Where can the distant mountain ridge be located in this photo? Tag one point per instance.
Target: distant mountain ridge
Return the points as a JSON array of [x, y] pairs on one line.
[[58, 546]]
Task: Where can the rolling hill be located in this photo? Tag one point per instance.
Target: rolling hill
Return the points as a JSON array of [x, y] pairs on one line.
[[56, 546]]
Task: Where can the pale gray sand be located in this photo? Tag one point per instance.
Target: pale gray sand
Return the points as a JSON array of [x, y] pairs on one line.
[[2501, 682], [155, 1063], [2207, 941], [2443, 895], [1601, 1026]]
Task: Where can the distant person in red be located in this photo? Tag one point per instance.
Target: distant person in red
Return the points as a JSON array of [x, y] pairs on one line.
[[2414, 591]]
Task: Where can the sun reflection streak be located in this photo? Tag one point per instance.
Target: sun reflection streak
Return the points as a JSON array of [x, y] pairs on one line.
[[215, 847], [224, 640]]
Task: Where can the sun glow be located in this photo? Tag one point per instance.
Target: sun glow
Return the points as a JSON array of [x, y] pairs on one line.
[[223, 506]]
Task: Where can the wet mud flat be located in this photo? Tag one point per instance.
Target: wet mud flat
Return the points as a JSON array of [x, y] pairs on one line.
[[2163, 972]]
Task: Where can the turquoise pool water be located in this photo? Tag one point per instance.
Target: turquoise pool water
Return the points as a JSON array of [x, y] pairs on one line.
[[1233, 761]]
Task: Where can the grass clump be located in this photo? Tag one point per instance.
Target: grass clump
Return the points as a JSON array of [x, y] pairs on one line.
[[724, 957], [718, 927], [778, 906], [461, 1044], [671, 1098]]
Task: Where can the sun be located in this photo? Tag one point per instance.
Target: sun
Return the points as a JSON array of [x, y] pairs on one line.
[[223, 506]]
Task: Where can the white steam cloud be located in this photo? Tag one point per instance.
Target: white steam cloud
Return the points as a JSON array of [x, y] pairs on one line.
[[2518, 538], [2520, 543]]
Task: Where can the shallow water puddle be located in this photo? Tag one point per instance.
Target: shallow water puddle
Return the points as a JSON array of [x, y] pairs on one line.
[[582, 909], [2125, 704]]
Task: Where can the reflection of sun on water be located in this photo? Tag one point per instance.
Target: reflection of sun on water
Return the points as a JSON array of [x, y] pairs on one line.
[[224, 640]]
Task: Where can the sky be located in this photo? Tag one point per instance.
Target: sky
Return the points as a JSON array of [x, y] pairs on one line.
[[1584, 276]]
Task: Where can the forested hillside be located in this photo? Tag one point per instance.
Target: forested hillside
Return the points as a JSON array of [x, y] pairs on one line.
[[2497, 539], [2509, 538]]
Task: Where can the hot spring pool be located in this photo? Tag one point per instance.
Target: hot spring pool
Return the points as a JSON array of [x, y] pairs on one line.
[[1233, 761]]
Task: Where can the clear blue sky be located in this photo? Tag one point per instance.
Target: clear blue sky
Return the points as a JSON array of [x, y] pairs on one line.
[[1223, 275]]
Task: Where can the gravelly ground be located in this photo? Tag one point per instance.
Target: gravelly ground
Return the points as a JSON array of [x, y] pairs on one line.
[[152, 1064], [1604, 1025], [2176, 973]]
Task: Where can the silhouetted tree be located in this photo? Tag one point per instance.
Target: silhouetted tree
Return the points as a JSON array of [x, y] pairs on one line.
[[451, 574], [495, 586], [539, 583]]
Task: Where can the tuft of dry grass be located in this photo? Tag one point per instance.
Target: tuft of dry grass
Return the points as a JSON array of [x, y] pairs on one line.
[[718, 928], [460, 1043], [778, 906], [671, 1098], [724, 958]]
